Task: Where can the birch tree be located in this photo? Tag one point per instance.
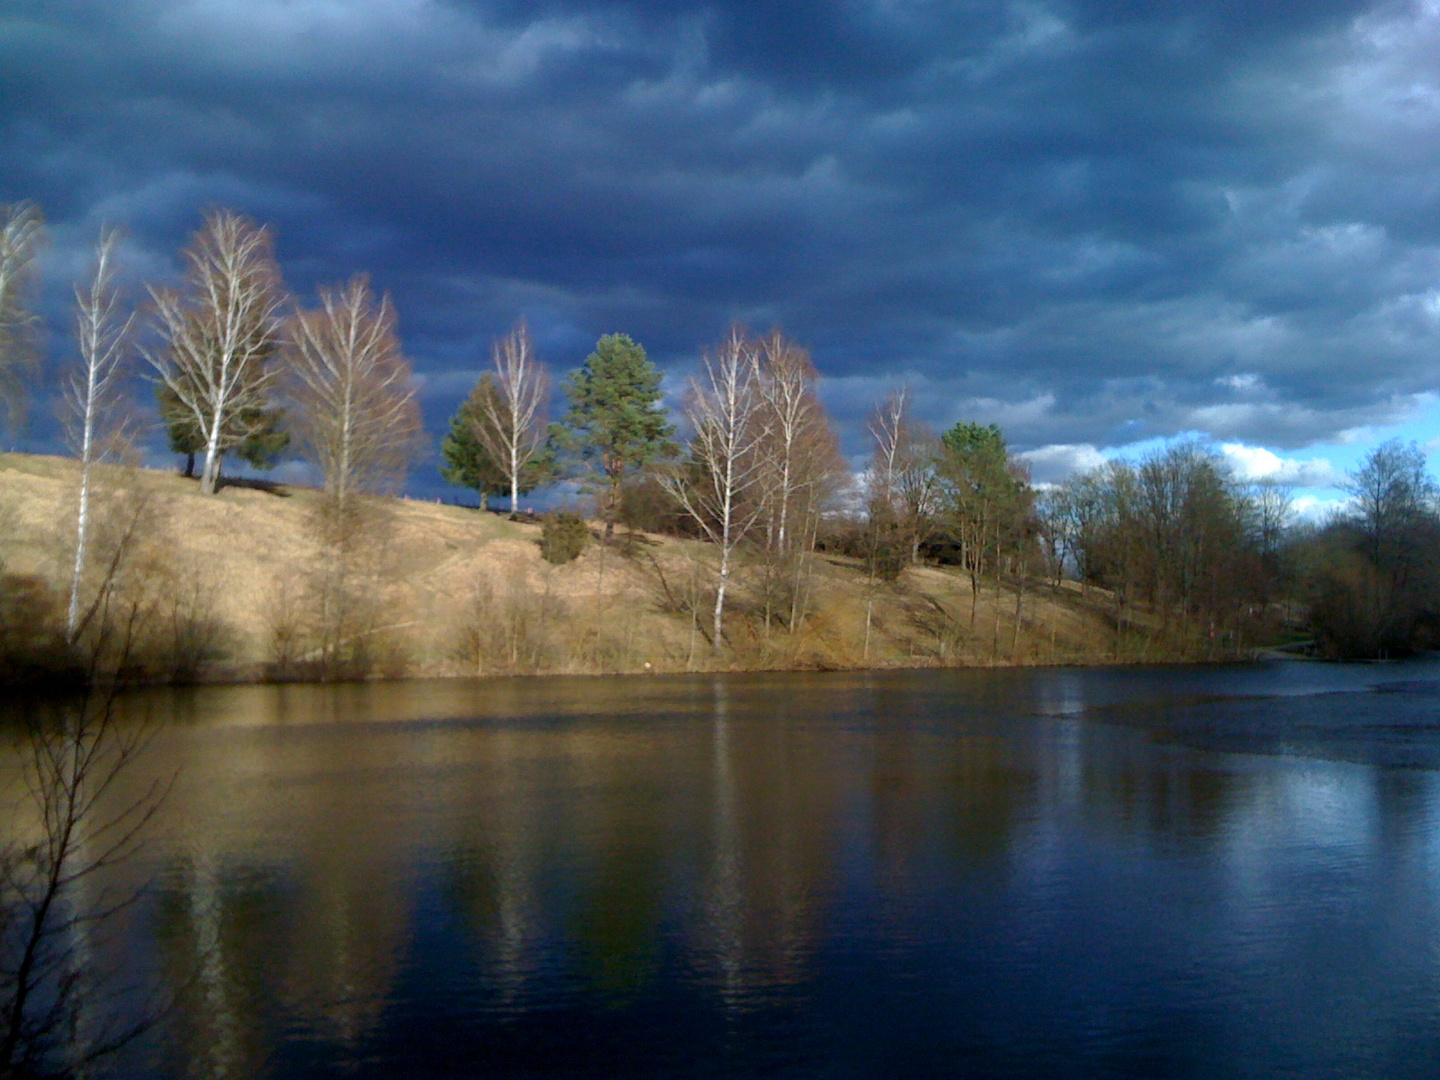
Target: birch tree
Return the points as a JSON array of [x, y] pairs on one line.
[[22, 235], [92, 392], [465, 461], [356, 416], [917, 484], [221, 333], [801, 465], [355, 407], [729, 425], [787, 390], [887, 431], [511, 422]]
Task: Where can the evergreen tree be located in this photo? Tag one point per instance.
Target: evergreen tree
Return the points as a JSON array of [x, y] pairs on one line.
[[467, 463], [262, 447], [615, 425]]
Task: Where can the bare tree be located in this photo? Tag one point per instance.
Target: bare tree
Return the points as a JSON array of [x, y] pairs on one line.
[[717, 487], [801, 463], [92, 393], [917, 483], [511, 425], [787, 389], [1392, 491], [80, 818], [221, 333], [354, 392], [356, 414], [887, 431], [22, 234]]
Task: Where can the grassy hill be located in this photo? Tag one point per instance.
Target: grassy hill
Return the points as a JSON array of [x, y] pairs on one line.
[[239, 586]]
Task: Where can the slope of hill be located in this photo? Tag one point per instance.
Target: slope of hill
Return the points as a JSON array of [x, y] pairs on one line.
[[240, 586]]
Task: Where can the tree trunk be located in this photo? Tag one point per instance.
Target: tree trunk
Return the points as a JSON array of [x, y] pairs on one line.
[[1019, 601], [82, 523], [724, 579], [209, 476]]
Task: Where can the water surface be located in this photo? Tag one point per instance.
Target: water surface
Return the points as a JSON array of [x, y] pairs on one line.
[[1207, 872]]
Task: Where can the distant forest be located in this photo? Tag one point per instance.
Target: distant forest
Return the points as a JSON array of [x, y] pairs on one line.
[[750, 463]]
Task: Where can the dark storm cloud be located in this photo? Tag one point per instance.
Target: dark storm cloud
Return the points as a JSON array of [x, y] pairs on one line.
[[1091, 222]]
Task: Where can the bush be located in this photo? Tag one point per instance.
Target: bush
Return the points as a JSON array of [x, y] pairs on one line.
[[563, 537]]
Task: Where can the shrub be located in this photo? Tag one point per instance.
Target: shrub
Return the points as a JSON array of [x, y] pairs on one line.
[[563, 537]]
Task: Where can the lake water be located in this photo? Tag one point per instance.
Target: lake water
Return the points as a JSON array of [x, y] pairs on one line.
[[1179, 872]]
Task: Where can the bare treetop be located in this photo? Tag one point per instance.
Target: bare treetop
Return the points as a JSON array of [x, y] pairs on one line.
[[22, 235], [511, 422], [221, 332], [356, 410]]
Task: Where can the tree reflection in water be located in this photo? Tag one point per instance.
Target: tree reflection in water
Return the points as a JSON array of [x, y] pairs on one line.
[[875, 874]]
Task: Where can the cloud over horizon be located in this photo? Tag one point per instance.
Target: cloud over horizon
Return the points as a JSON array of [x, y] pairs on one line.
[[1094, 223]]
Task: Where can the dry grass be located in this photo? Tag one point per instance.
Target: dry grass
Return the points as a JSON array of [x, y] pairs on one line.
[[452, 591]]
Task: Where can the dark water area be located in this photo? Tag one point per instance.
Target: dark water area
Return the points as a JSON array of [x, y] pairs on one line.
[[1174, 872]]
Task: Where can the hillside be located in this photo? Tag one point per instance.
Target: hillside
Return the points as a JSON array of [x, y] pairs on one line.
[[234, 586]]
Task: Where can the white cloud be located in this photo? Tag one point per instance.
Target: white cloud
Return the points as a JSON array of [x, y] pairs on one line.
[[1257, 463], [1245, 382], [1059, 461], [1313, 509]]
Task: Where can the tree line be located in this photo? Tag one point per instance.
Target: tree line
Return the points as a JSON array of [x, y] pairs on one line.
[[1179, 550]]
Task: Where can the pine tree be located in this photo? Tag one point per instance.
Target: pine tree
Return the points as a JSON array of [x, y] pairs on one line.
[[615, 425]]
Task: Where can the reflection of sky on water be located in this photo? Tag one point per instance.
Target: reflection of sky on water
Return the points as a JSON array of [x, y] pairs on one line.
[[1046, 872]]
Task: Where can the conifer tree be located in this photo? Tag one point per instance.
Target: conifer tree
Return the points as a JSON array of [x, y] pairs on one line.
[[466, 461], [268, 436], [615, 425]]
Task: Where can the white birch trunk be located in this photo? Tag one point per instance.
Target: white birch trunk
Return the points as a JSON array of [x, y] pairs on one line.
[[102, 336]]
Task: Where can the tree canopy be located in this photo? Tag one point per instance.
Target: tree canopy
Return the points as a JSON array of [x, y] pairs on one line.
[[615, 425], [467, 463]]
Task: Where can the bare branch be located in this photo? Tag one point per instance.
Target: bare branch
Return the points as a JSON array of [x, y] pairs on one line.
[[221, 333], [22, 235], [729, 426], [511, 425], [92, 393], [357, 414]]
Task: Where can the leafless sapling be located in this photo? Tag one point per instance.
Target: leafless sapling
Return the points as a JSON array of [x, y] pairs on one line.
[[22, 235], [887, 432], [511, 422], [80, 818], [92, 395]]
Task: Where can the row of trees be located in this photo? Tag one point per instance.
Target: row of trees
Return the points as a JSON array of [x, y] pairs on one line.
[[241, 367], [762, 459], [1177, 533], [238, 365], [1181, 549]]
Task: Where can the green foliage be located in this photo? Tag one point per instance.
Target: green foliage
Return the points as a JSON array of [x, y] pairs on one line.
[[615, 425], [467, 463], [268, 437], [986, 504], [563, 537], [971, 440], [975, 457]]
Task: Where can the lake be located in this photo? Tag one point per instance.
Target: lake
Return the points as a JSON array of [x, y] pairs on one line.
[[1176, 872]]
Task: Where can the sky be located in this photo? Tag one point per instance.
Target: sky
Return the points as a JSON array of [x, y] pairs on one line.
[[1101, 225]]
